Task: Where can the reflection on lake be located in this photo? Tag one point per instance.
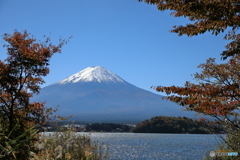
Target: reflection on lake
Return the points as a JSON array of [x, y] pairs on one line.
[[156, 146]]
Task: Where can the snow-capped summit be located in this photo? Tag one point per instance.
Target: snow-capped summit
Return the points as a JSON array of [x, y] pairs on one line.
[[98, 95], [95, 73]]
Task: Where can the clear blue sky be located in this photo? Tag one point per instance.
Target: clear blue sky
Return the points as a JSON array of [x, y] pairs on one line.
[[127, 37]]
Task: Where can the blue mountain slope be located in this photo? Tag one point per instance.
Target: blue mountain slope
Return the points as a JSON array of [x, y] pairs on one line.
[[91, 96]]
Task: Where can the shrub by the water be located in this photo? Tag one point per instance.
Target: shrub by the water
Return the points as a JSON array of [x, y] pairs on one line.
[[230, 143]]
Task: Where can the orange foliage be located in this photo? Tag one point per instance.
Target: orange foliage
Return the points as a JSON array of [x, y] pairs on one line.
[[215, 94], [21, 77]]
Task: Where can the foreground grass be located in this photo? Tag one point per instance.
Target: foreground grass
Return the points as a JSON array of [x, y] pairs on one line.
[[68, 146]]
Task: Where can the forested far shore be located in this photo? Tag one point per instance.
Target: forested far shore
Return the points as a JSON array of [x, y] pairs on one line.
[[158, 124], [162, 124]]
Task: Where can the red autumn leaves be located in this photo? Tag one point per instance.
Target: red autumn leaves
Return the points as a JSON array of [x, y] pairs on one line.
[[216, 91]]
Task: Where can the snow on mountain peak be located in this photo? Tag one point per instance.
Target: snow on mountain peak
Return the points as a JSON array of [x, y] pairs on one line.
[[95, 73]]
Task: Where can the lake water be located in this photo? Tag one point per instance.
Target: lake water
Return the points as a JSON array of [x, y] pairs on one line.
[[138, 146]]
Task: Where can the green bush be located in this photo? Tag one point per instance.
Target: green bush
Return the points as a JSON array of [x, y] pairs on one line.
[[14, 148]]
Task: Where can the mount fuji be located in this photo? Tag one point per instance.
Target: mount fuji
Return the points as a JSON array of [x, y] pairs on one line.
[[96, 94]]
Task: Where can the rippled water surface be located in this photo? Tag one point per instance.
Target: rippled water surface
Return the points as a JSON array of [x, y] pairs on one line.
[[139, 146]]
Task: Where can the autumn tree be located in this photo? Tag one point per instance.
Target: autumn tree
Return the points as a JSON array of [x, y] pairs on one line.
[[20, 77], [216, 91], [213, 16]]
